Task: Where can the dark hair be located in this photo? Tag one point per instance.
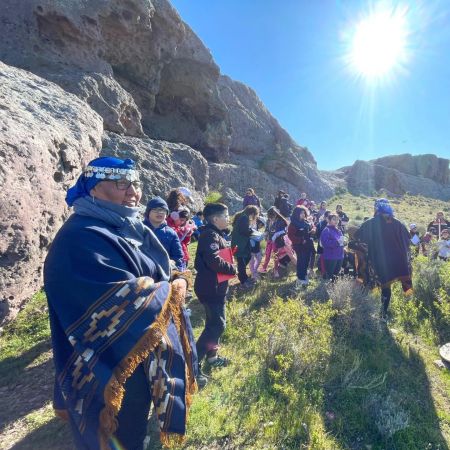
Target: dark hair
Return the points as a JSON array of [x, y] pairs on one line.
[[332, 216], [184, 213], [249, 210], [297, 210], [338, 206], [175, 199], [251, 190], [274, 212], [326, 213], [214, 209], [199, 213]]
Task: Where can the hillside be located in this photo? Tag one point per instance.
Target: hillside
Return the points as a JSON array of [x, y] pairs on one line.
[[312, 370]]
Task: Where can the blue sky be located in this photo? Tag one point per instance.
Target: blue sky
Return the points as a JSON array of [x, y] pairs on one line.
[[293, 54]]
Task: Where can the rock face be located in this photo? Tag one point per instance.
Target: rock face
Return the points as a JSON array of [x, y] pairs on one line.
[[426, 175], [46, 136], [144, 71]]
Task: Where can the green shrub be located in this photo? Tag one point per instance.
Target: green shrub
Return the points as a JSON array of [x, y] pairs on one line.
[[213, 197]]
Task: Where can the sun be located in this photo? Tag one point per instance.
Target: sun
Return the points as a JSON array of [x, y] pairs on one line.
[[379, 44]]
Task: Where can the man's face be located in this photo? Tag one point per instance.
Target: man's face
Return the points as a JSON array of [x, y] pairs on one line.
[[338, 208], [303, 196], [126, 196], [157, 216], [445, 235], [440, 216]]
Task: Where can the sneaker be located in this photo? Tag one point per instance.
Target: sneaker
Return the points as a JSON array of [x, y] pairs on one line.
[[383, 315], [298, 284], [201, 379], [219, 361]]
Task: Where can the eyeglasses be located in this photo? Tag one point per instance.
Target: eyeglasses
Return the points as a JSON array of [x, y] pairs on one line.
[[123, 184], [159, 210]]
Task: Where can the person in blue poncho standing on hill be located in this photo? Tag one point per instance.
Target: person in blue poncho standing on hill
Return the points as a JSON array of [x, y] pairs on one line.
[[388, 241], [121, 337]]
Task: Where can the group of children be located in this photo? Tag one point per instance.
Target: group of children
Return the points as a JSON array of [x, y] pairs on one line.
[[302, 235], [436, 239]]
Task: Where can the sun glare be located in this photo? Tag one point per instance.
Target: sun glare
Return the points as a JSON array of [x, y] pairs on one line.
[[379, 44]]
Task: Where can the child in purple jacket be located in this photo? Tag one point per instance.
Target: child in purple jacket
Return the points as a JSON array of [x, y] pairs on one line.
[[332, 242]]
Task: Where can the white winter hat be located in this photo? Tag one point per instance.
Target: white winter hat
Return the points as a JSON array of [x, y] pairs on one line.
[[185, 191], [412, 226]]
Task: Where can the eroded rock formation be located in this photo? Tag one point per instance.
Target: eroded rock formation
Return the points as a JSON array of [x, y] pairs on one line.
[[46, 137]]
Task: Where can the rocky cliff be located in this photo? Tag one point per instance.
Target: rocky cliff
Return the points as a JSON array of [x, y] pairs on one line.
[[426, 175], [129, 78]]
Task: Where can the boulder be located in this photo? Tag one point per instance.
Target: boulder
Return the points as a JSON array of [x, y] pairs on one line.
[[47, 135], [426, 166], [368, 177]]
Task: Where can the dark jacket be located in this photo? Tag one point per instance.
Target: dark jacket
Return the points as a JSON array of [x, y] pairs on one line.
[[444, 224], [285, 207], [251, 200], [208, 264], [240, 236], [299, 232], [388, 247], [320, 227], [170, 241]]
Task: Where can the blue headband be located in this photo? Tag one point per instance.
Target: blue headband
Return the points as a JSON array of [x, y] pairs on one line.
[[382, 206], [100, 169]]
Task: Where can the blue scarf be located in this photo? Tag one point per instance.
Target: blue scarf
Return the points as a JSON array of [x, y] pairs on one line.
[[129, 226]]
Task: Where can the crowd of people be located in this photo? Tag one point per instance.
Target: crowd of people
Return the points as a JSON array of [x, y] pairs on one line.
[[116, 284]]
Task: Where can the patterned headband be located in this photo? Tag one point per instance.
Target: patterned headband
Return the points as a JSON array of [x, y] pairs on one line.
[[110, 173]]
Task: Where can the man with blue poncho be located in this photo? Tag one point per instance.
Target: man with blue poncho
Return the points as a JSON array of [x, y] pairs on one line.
[[387, 240], [121, 338]]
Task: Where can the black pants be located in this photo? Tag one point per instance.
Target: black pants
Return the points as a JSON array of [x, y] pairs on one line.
[[385, 297], [332, 268], [303, 258], [215, 323], [242, 263]]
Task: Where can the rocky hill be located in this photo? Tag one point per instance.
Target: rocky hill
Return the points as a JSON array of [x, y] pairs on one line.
[[124, 77], [426, 175]]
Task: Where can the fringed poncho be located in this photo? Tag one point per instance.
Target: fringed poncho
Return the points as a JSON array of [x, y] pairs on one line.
[[109, 313]]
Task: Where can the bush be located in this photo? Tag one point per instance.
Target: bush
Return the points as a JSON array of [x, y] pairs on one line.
[[213, 197], [340, 190], [428, 311]]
